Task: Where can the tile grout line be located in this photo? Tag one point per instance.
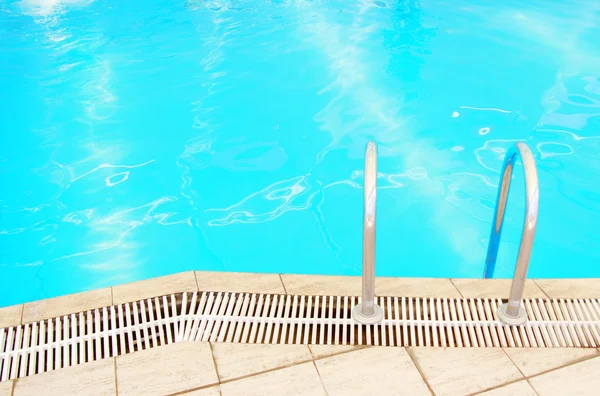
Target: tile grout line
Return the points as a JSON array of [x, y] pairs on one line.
[[244, 377], [531, 386], [312, 359], [527, 378], [283, 284], [187, 391], [513, 362], [357, 348], [196, 279], [491, 388], [320, 378], [572, 363], [183, 392], [212, 355], [541, 288], [227, 381], [523, 378], [418, 367], [116, 379], [456, 287]]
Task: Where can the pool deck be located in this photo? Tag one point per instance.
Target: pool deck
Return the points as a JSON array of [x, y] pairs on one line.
[[202, 368]]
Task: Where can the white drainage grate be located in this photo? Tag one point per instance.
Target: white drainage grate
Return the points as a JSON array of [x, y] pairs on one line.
[[266, 318]]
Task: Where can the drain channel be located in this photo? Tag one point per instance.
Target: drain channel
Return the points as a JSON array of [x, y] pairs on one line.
[[83, 337]]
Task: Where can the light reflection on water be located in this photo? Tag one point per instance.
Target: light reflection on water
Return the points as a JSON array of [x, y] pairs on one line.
[[146, 139]]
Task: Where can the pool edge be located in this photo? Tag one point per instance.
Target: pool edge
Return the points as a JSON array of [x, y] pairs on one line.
[[293, 285]]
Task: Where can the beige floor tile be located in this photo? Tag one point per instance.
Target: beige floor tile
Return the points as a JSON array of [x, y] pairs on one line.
[[351, 286], [239, 282], [321, 351], [71, 303], [372, 371], [239, 360], [494, 288], [415, 287], [302, 379], [321, 285], [532, 361], [166, 369], [212, 391], [580, 379], [6, 388], [521, 388], [570, 288], [460, 371], [11, 316], [90, 379], [183, 281]]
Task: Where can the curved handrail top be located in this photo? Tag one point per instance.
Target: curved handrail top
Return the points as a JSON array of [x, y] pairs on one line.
[[532, 192], [522, 151]]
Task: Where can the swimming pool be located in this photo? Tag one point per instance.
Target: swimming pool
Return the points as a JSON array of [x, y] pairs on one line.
[[145, 138]]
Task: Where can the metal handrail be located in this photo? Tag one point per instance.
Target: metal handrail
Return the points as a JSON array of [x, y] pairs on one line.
[[368, 312], [513, 312]]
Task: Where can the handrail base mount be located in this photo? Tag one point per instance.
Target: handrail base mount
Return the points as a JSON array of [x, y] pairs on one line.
[[510, 320], [361, 318]]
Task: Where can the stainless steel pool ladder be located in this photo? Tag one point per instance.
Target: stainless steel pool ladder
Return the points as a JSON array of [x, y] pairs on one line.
[[367, 311], [512, 313]]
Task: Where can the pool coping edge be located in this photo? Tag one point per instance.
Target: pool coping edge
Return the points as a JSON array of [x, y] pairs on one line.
[[290, 284]]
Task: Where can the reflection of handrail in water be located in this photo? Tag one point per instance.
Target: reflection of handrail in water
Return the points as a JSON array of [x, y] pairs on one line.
[[513, 312], [367, 312]]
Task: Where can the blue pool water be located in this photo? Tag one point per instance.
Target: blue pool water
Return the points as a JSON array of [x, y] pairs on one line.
[[143, 138]]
